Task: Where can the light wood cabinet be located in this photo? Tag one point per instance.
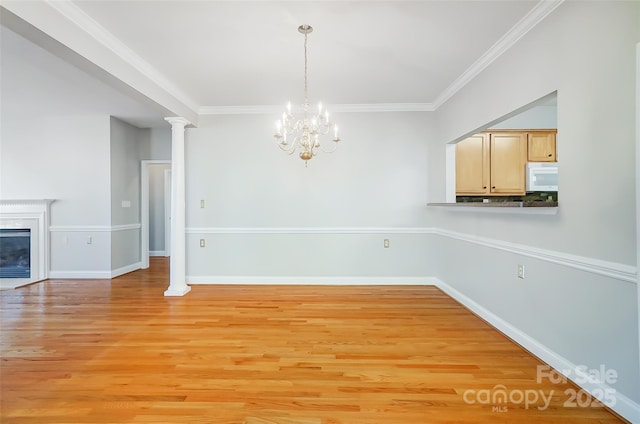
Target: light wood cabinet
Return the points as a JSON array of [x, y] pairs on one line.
[[472, 165], [491, 164], [508, 157], [541, 146]]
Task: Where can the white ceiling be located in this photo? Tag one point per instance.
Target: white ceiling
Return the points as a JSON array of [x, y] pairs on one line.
[[215, 54]]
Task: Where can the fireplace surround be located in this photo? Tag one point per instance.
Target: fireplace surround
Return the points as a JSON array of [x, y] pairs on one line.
[[30, 215]]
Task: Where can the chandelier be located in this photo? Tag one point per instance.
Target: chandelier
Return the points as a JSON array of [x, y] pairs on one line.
[[303, 133]]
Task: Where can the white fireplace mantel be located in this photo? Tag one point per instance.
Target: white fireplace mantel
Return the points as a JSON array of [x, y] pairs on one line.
[[32, 214], [9, 205]]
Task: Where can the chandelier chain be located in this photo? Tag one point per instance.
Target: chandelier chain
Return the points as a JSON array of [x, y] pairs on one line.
[[306, 97]]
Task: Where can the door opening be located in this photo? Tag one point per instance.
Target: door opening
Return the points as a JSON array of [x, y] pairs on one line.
[[152, 202]]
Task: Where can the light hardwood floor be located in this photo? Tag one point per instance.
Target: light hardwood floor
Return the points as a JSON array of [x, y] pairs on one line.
[[117, 351]]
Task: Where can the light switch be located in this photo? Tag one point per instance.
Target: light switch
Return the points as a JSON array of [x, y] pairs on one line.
[[202, 204], [126, 203], [201, 242]]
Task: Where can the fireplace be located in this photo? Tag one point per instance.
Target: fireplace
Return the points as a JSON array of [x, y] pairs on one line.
[[24, 242], [15, 253]]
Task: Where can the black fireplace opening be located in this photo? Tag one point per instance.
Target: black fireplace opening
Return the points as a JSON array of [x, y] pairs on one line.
[[15, 253]]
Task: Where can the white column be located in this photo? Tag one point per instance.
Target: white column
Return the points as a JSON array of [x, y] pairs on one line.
[[177, 262]]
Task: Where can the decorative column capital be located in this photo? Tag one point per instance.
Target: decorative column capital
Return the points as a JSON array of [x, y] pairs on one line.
[[177, 121]]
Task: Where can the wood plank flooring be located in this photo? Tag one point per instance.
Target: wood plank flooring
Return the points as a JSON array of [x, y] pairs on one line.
[[117, 351]]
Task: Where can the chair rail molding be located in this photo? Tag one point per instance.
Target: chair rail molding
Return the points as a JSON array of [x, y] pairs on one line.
[[93, 228], [618, 271]]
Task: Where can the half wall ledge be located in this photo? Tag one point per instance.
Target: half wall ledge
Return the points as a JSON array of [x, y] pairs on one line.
[[518, 208]]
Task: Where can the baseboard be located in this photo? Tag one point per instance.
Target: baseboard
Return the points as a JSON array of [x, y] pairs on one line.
[[157, 253], [330, 281], [94, 275], [125, 269], [622, 405], [82, 275]]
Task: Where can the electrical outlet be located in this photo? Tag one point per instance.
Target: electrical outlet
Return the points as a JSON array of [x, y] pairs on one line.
[[386, 243], [521, 271], [201, 242]]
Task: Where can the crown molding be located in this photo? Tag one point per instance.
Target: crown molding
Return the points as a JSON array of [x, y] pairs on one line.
[[540, 11], [384, 107], [99, 33], [78, 17], [242, 110], [342, 108], [519, 30]]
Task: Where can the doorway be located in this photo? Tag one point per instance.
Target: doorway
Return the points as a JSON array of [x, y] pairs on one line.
[[155, 202]]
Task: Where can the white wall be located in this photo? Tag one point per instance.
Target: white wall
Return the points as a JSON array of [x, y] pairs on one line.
[[56, 143], [77, 178], [376, 179], [595, 124], [159, 143], [125, 173], [59, 157], [542, 117], [585, 51], [95, 166], [125, 196]]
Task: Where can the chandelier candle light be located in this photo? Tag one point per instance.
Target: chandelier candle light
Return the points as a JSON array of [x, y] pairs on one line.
[[303, 133]]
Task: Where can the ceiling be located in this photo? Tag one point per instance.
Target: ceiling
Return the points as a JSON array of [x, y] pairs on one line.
[[216, 56]]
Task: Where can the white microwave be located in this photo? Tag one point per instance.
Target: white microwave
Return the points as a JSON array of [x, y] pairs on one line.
[[542, 176]]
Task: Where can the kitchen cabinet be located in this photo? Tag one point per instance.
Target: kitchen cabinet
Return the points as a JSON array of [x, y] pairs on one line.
[[491, 164], [508, 157], [541, 146], [472, 165]]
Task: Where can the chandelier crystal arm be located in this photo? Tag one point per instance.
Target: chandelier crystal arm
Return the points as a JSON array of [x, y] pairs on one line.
[[289, 151]]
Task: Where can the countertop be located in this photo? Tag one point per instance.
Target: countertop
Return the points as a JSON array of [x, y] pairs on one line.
[[529, 204]]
